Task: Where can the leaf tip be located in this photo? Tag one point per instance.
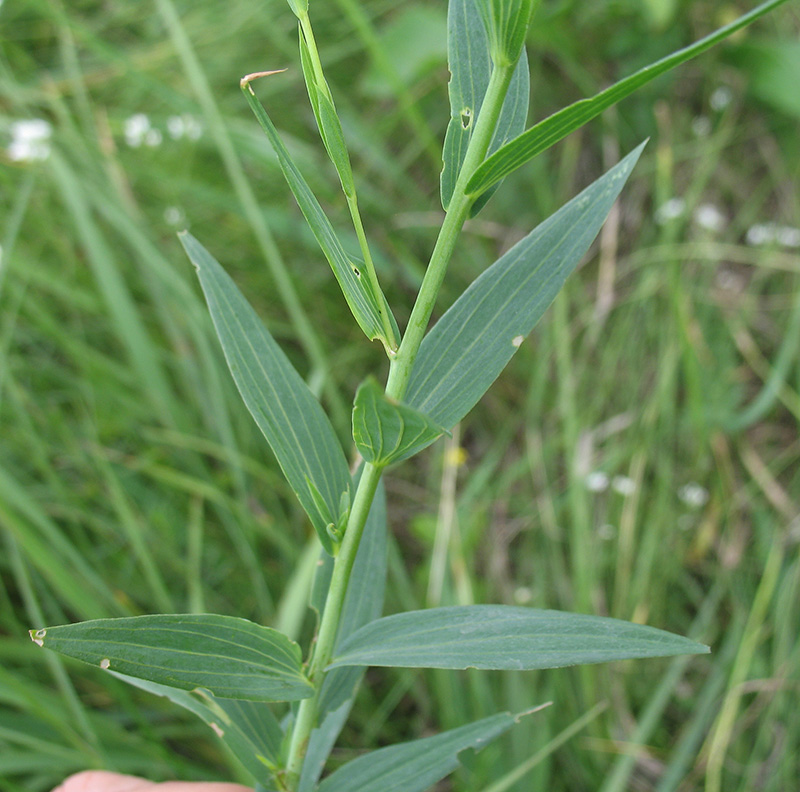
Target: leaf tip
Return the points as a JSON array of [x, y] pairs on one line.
[[244, 83], [37, 636], [538, 708]]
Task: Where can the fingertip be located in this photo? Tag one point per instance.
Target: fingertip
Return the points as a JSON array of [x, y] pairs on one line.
[[103, 781]]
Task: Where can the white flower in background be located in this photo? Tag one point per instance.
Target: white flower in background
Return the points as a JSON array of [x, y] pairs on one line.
[[773, 234], [136, 129], [788, 236], [597, 481], [693, 494], [701, 126], [670, 210], [709, 217], [624, 485], [174, 216], [721, 98], [30, 140], [184, 126], [523, 595]]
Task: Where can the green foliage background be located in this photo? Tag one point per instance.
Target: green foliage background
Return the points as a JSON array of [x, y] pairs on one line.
[[132, 479]]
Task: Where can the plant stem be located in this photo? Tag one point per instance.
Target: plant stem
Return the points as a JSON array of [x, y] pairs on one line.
[[460, 203], [329, 625], [399, 375]]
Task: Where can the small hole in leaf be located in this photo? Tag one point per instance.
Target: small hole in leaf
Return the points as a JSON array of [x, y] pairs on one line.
[[357, 272], [466, 118]]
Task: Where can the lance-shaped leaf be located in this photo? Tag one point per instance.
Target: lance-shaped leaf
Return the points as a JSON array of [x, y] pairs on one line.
[[504, 637], [557, 126], [363, 604], [248, 728], [386, 431], [470, 66], [231, 657], [364, 304], [470, 345], [506, 23], [415, 766], [292, 420]]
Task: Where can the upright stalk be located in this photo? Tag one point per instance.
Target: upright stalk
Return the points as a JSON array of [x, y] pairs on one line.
[[399, 375], [329, 625], [460, 203]]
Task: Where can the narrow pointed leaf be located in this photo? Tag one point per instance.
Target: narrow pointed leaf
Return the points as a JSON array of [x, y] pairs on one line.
[[363, 604], [504, 637], [309, 77], [365, 306], [248, 728], [231, 657], [557, 126], [385, 431], [292, 420], [415, 766], [470, 67], [471, 344], [333, 137]]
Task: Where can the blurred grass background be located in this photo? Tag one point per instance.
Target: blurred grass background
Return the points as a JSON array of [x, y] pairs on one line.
[[639, 458]]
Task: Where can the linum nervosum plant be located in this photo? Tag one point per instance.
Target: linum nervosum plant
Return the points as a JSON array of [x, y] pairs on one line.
[[234, 673]]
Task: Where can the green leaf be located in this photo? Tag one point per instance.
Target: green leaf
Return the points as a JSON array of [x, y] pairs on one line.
[[363, 604], [231, 657], [309, 77], [470, 345], [504, 637], [557, 126], [415, 766], [248, 728], [297, 429], [333, 138], [298, 7], [470, 66], [365, 306], [506, 23], [330, 128], [386, 431]]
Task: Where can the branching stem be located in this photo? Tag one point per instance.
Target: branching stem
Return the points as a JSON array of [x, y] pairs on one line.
[[399, 376]]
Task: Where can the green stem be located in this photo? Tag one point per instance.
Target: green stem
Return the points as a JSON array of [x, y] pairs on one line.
[[329, 626], [399, 375], [460, 203]]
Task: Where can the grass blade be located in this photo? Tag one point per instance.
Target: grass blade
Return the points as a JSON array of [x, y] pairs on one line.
[[231, 657], [503, 637], [471, 344], [470, 66], [285, 410], [557, 126]]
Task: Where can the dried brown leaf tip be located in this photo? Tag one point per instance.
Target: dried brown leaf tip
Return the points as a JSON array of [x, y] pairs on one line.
[[248, 78]]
